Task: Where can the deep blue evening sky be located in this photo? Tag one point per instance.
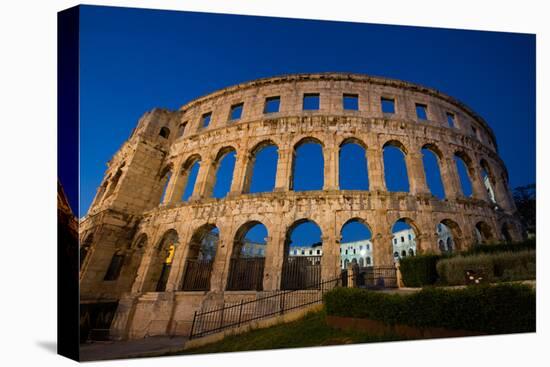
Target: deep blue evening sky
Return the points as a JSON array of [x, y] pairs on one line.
[[134, 60]]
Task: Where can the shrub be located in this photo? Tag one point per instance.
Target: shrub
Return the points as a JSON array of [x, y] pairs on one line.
[[503, 266], [496, 248], [420, 270], [504, 308]]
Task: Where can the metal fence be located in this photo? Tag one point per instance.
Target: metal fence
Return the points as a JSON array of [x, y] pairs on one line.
[[229, 316], [246, 274], [197, 275], [278, 302], [375, 277], [299, 272]]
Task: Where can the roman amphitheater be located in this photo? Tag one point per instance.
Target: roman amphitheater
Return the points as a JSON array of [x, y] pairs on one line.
[[149, 259]]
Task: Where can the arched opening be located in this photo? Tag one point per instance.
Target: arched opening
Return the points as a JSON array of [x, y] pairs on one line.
[[356, 241], [353, 166], [431, 158], [485, 232], [189, 173], [246, 268], [114, 181], [165, 182], [449, 236], [411, 252], [465, 173], [85, 248], [442, 246], [225, 165], [262, 168], [161, 262], [307, 166], [164, 132], [113, 271], [506, 232], [303, 252], [395, 167], [101, 191], [133, 255], [403, 238], [200, 258], [488, 180]]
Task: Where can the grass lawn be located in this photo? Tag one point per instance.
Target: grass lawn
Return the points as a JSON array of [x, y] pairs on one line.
[[310, 331]]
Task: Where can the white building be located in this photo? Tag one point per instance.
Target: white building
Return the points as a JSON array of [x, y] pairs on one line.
[[253, 249], [360, 252]]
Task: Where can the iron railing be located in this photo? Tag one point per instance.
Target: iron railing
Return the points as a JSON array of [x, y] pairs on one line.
[[278, 302], [299, 272], [197, 275], [246, 274], [281, 301], [372, 277]]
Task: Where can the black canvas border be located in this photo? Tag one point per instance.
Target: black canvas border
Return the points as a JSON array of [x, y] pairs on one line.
[[68, 171]]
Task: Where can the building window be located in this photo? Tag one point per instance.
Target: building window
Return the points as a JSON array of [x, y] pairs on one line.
[[474, 132], [351, 102], [236, 111], [346, 252], [368, 260], [360, 247], [295, 252], [354, 251], [451, 119], [410, 238], [114, 267], [388, 105], [164, 132], [421, 111], [205, 119], [402, 239], [272, 104], [368, 247], [181, 129], [318, 252], [303, 252], [311, 252], [311, 101]]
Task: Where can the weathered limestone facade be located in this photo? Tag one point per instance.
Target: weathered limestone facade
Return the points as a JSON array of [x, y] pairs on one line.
[[128, 218]]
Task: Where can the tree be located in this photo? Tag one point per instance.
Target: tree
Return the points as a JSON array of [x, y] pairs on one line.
[[525, 199]]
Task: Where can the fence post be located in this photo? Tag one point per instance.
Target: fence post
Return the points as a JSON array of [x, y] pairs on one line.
[[282, 304], [193, 325], [221, 317], [240, 312]]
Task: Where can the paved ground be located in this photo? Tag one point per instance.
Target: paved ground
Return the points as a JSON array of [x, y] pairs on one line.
[[147, 347]]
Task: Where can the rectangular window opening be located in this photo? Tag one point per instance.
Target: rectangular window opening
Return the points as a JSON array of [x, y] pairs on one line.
[[421, 111], [236, 111], [272, 104], [311, 102], [388, 105], [451, 119], [205, 120], [351, 102], [181, 129]]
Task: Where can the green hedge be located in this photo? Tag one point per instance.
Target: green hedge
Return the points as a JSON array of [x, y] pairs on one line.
[[421, 270], [418, 271], [505, 308], [496, 248], [502, 266]]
